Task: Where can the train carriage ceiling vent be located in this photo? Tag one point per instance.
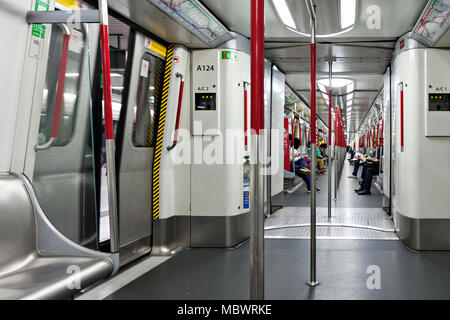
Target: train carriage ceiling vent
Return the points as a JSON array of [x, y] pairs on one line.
[[192, 15], [433, 23], [333, 17]]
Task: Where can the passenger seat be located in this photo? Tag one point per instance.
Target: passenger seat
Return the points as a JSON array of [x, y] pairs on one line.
[[30, 268]]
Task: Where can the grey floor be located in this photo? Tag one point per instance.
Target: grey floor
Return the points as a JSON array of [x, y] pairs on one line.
[[342, 265], [345, 224]]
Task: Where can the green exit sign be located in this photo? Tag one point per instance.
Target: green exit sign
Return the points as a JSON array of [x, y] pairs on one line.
[[228, 55]]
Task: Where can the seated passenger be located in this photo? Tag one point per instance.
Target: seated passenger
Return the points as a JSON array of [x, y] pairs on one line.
[[321, 156], [320, 138], [359, 160], [371, 168], [303, 170]]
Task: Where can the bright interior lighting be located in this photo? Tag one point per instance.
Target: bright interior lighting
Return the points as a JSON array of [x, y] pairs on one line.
[[348, 13], [351, 87], [328, 35], [350, 97], [72, 75], [284, 13], [70, 97], [322, 88], [336, 82]]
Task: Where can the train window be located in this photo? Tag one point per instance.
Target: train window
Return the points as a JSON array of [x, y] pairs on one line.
[[72, 84], [145, 112]]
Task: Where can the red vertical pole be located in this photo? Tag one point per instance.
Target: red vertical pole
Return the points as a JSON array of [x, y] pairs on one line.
[[109, 128], [313, 93], [312, 13], [336, 110], [378, 132], [257, 123], [300, 131], [293, 131], [257, 65]]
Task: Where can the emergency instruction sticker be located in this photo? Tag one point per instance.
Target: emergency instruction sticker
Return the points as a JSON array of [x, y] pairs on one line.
[[155, 46], [38, 31], [144, 68], [76, 43]]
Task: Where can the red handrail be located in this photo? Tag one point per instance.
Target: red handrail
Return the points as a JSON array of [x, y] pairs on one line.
[[59, 97], [245, 114], [61, 84], [402, 136], [293, 131], [300, 131], [180, 102]]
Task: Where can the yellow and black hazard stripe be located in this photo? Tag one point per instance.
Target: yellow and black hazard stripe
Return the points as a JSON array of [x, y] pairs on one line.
[[159, 139]]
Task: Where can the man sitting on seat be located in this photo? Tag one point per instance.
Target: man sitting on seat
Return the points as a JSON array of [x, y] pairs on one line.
[[371, 168], [359, 160], [321, 156], [303, 167]]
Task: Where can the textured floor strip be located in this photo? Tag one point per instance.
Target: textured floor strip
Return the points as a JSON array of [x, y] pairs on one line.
[[346, 223]]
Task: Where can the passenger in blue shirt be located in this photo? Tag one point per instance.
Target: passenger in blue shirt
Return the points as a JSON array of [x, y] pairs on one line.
[[300, 164]]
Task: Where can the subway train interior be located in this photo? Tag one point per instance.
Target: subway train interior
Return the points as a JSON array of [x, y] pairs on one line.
[[225, 150]]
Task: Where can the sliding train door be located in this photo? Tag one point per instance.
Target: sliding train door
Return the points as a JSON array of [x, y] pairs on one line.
[[136, 139], [60, 159]]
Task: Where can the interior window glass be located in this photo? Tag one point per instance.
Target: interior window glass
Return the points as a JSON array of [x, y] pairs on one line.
[[147, 101], [71, 87]]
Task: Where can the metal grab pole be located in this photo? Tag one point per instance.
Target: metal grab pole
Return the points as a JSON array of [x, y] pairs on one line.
[[312, 280], [292, 142], [109, 128], [335, 151], [257, 123], [330, 98]]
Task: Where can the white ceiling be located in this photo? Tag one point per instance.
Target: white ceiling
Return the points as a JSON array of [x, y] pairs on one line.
[[360, 54]]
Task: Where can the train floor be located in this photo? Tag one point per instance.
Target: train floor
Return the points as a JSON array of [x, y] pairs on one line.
[[358, 257]]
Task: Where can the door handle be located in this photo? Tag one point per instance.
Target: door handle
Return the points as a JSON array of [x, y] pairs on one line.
[[180, 102], [59, 89]]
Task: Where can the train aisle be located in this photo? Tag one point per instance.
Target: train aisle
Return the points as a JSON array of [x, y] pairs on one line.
[[347, 198], [346, 258], [353, 216]]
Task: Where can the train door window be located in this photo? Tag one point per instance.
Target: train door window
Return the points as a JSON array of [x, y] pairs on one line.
[[145, 112], [69, 104]]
